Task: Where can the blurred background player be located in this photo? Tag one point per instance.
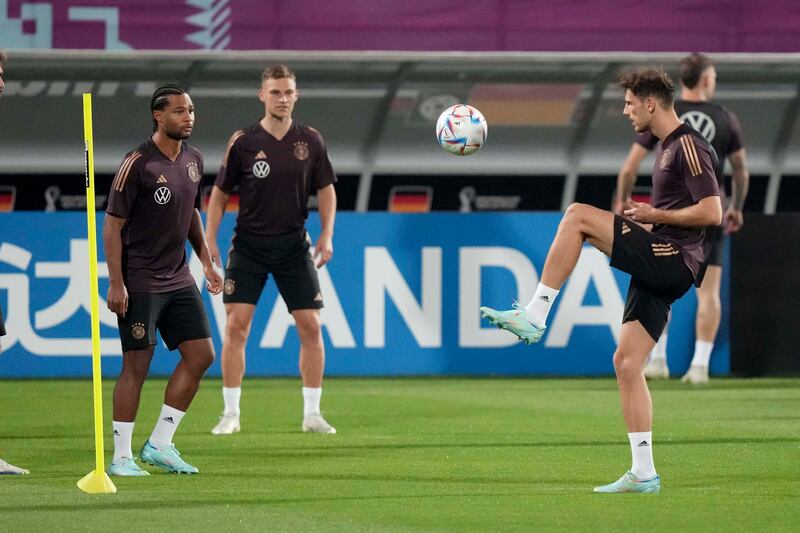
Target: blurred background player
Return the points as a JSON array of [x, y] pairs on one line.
[[5, 468], [721, 129], [276, 164], [152, 210], [663, 263]]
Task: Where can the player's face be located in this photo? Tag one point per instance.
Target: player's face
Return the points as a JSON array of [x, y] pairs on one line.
[[639, 111], [2, 83], [279, 97], [709, 81], [176, 120]]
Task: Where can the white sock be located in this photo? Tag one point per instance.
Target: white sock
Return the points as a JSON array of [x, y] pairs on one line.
[[123, 432], [311, 397], [660, 349], [702, 353], [231, 395], [165, 428], [642, 454], [539, 306]]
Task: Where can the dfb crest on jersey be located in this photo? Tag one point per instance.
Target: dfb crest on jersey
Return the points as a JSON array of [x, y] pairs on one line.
[[301, 150], [701, 123], [664, 159], [194, 172], [261, 169]]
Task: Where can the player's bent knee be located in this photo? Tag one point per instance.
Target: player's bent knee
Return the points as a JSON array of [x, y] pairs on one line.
[[577, 214]]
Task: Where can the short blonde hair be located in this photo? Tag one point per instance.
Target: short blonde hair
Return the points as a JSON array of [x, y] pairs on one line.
[[277, 72]]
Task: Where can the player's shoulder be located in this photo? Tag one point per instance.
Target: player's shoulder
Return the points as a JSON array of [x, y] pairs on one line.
[[240, 135], [137, 156], [192, 150], [709, 108], [310, 134], [692, 140]]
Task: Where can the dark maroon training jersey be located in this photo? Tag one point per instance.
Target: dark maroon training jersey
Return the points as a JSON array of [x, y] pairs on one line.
[[683, 174], [716, 124], [157, 197], [274, 177]]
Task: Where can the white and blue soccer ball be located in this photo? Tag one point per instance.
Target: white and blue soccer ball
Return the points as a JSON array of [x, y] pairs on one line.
[[461, 129]]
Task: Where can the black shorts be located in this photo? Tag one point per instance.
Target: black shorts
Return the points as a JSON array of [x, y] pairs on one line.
[[714, 246], [658, 274], [178, 315], [252, 258]]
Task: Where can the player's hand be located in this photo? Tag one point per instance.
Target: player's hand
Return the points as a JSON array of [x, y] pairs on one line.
[[324, 250], [118, 298], [641, 212], [733, 220], [213, 251], [213, 279]]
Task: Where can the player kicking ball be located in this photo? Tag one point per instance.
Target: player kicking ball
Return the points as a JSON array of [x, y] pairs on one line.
[[663, 263]]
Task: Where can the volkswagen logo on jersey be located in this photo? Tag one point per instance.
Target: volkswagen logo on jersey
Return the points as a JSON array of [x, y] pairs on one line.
[[162, 195], [701, 123], [261, 169]]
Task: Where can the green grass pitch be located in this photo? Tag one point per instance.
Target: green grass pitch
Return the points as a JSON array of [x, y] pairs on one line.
[[416, 455]]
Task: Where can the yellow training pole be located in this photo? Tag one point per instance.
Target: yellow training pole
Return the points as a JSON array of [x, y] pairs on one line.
[[96, 481]]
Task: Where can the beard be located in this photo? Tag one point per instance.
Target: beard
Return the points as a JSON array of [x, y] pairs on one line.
[[177, 135]]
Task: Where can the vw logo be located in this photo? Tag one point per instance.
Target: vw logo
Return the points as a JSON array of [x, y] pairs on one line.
[[162, 195], [701, 123], [261, 169]]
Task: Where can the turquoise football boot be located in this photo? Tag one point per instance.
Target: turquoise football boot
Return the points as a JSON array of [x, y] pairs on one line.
[[516, 321], [126, 467], [169, 459], [631, 483]]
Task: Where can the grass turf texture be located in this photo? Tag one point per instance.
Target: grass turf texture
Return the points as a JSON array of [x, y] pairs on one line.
[[416, 455]]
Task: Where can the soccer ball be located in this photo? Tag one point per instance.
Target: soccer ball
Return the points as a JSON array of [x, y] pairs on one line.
[[461, 129]]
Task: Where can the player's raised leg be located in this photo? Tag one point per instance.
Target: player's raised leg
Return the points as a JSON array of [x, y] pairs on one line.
[[237, 329], [312, 368], [580, 223], [196, 356], [637, 409]]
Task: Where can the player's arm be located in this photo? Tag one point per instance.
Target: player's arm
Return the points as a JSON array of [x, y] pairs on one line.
[[198, 241], [706, 212], [216, 208], [734, 219], [695, 163], [226, 181], [626, 179], [112, 243], [326, 200]]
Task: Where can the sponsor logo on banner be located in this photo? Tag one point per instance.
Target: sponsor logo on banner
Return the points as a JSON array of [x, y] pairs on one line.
[[399, 299]]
